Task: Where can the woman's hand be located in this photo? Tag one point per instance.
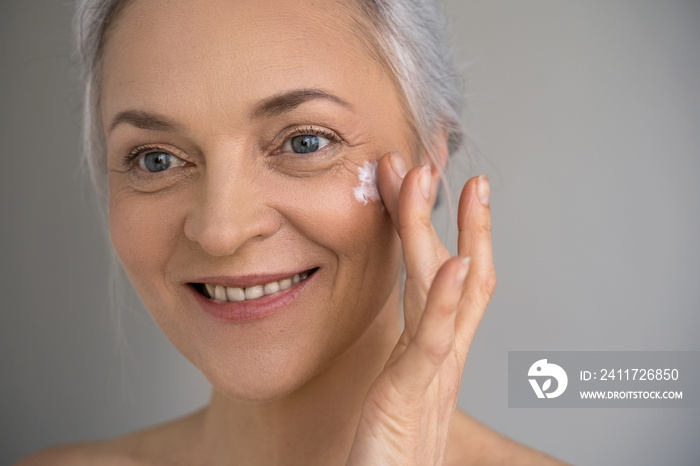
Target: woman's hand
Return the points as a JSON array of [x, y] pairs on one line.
[[408, 411]]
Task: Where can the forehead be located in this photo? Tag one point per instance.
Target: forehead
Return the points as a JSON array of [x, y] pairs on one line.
[[216, 52]]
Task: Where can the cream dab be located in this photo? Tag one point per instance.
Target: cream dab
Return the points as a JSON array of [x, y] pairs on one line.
[[367, 190]]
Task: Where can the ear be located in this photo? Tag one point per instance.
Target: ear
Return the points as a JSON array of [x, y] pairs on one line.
[[439, 154]]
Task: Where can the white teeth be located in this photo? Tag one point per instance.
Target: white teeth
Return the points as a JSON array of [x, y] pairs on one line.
[[220, 293], [235, 294], [254, 292], [232, 294], [273, 287], [286, 283]]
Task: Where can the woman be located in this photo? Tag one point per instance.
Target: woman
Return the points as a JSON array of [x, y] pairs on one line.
[[267, 165]]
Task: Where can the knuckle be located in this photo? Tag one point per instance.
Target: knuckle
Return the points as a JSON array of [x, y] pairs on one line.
[[487, 284], [483, 228], [428, 271], [415, 225], [421, 277], [423, 222], [438, 351]]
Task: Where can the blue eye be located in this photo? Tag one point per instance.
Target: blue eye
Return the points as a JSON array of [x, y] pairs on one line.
[[159, 161], [155, 161], [305, 144]]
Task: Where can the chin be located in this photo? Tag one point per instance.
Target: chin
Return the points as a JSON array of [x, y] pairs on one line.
[[261, 384], [277, 369]]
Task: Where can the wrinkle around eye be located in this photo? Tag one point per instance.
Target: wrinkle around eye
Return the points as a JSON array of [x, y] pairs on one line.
[[136, 180], [343, 160]]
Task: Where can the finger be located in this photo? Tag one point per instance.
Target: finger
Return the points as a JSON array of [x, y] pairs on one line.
[[474, 223], [416, 227], [391, 171], [414, 371], [409, 202], [418, 241]]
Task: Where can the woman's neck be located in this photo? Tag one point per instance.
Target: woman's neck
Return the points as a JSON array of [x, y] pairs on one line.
[[313, 425]]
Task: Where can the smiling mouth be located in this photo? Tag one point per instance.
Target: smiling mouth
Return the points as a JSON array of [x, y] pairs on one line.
[[235, 294]]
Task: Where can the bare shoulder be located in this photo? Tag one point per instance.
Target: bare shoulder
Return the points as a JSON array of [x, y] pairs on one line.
[[155, 445], [471, 442], [79, 454]]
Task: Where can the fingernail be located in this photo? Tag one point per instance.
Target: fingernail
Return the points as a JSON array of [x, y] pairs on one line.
[[463, 270], [398, 165], [425, 181], [483, 190]]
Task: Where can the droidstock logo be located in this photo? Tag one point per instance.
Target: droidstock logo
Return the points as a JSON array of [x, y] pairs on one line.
[[542, 370]]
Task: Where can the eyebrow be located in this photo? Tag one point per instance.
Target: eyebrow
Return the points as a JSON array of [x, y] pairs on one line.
[[270, 107], [144, 120], [287, 101]]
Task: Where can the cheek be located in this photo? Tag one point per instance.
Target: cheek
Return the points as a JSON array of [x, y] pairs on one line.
[[144, 234], [339, 209], [362, 248], [329, 211]]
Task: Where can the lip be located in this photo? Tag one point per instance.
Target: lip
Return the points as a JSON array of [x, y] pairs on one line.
[[254, 309]]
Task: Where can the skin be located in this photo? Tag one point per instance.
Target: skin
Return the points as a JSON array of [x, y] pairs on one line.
[[324, 381]]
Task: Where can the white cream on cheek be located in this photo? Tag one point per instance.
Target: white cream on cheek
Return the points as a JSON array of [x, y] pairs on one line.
[[367, 190]]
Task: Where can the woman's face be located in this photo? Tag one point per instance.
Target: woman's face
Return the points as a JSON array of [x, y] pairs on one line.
[[235, 133]]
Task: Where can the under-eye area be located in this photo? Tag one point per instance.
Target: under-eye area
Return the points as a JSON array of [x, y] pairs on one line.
[[305, 151], [219, 292]]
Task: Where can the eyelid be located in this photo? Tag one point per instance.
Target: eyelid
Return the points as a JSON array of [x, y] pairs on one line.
[[136, 154], [292, 132]]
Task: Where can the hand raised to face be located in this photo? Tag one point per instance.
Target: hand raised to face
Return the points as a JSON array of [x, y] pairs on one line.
[[408, 412]]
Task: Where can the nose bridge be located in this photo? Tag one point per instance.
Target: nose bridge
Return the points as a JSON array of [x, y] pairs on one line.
[[230, 210]]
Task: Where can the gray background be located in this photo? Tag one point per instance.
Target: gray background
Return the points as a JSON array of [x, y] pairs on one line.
[[586, 117]]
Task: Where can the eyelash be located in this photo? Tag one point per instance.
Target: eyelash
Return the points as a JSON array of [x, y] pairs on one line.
[[131, 158], [309, 130], [136, 152], [315, 131]]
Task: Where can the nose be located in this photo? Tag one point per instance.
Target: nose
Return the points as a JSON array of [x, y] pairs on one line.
[[230, 211]]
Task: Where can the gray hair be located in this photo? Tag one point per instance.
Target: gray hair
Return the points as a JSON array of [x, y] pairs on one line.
[[410, 38]]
